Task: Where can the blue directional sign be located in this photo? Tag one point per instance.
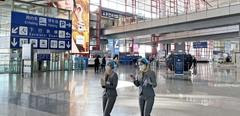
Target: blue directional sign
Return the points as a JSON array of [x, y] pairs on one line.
[[43, 32], [42, 57], [200, 45], [179, 64]]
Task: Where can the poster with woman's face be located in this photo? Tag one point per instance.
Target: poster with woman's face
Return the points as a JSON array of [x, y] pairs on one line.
[[80, 23], [80, 20]]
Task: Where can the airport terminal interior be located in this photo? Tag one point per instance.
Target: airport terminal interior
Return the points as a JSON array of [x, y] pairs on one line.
[[61, 57]]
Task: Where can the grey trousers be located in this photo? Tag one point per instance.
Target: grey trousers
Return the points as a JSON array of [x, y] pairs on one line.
[[146, 104], [108, 103]]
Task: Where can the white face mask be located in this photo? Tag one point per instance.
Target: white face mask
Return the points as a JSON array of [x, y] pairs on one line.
[[142, 67], [108, 69]]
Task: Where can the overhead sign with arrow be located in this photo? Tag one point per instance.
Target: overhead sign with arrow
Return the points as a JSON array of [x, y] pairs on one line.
[[43, 32], [15, 30], [68, 44], [13, 42]]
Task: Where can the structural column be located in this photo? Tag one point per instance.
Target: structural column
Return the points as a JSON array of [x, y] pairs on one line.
[[132, 45], [239, 38], [180, 47], [98, 27], [154, 40]]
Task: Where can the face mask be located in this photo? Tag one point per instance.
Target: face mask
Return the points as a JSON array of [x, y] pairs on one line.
[[108, 69], [142, 67]]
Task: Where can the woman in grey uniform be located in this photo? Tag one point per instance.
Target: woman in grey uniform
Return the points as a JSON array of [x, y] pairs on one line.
[[109, 83], [146, 81]]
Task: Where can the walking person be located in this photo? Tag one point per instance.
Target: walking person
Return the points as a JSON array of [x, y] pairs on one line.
[[103, 65], [116, 60], [146, 81], [194, 61], [109, 83], [96, 64]]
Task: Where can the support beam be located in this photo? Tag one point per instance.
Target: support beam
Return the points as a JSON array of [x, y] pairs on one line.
[[233, 35], [179, 23], [206, 19]]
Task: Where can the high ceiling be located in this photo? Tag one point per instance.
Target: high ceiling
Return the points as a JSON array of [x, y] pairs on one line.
[[159, 8]]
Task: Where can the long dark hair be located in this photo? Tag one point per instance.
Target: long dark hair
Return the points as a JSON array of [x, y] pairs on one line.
[[74, 4]]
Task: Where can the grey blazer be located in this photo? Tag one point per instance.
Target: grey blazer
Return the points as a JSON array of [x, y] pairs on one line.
[[146, 84], [111, 85]]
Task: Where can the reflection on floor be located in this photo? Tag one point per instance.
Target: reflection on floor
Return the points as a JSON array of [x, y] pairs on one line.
[[78, 93]]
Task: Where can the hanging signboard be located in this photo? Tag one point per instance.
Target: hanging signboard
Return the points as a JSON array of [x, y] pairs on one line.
[[43, 32], [200, 45]]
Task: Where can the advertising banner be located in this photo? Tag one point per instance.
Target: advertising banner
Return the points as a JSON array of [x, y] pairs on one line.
[[80, 23], [80, 27]]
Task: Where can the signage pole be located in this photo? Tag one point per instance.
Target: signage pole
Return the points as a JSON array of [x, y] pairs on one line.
[[22, 66], [27, 58]]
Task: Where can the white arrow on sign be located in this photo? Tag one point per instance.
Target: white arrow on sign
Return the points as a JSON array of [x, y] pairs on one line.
[[68, 45], [15, 30], [14, 43], [69, 24], [68, 34]]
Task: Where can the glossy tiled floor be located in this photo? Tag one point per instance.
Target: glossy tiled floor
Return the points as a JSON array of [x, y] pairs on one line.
[[213, 91]]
